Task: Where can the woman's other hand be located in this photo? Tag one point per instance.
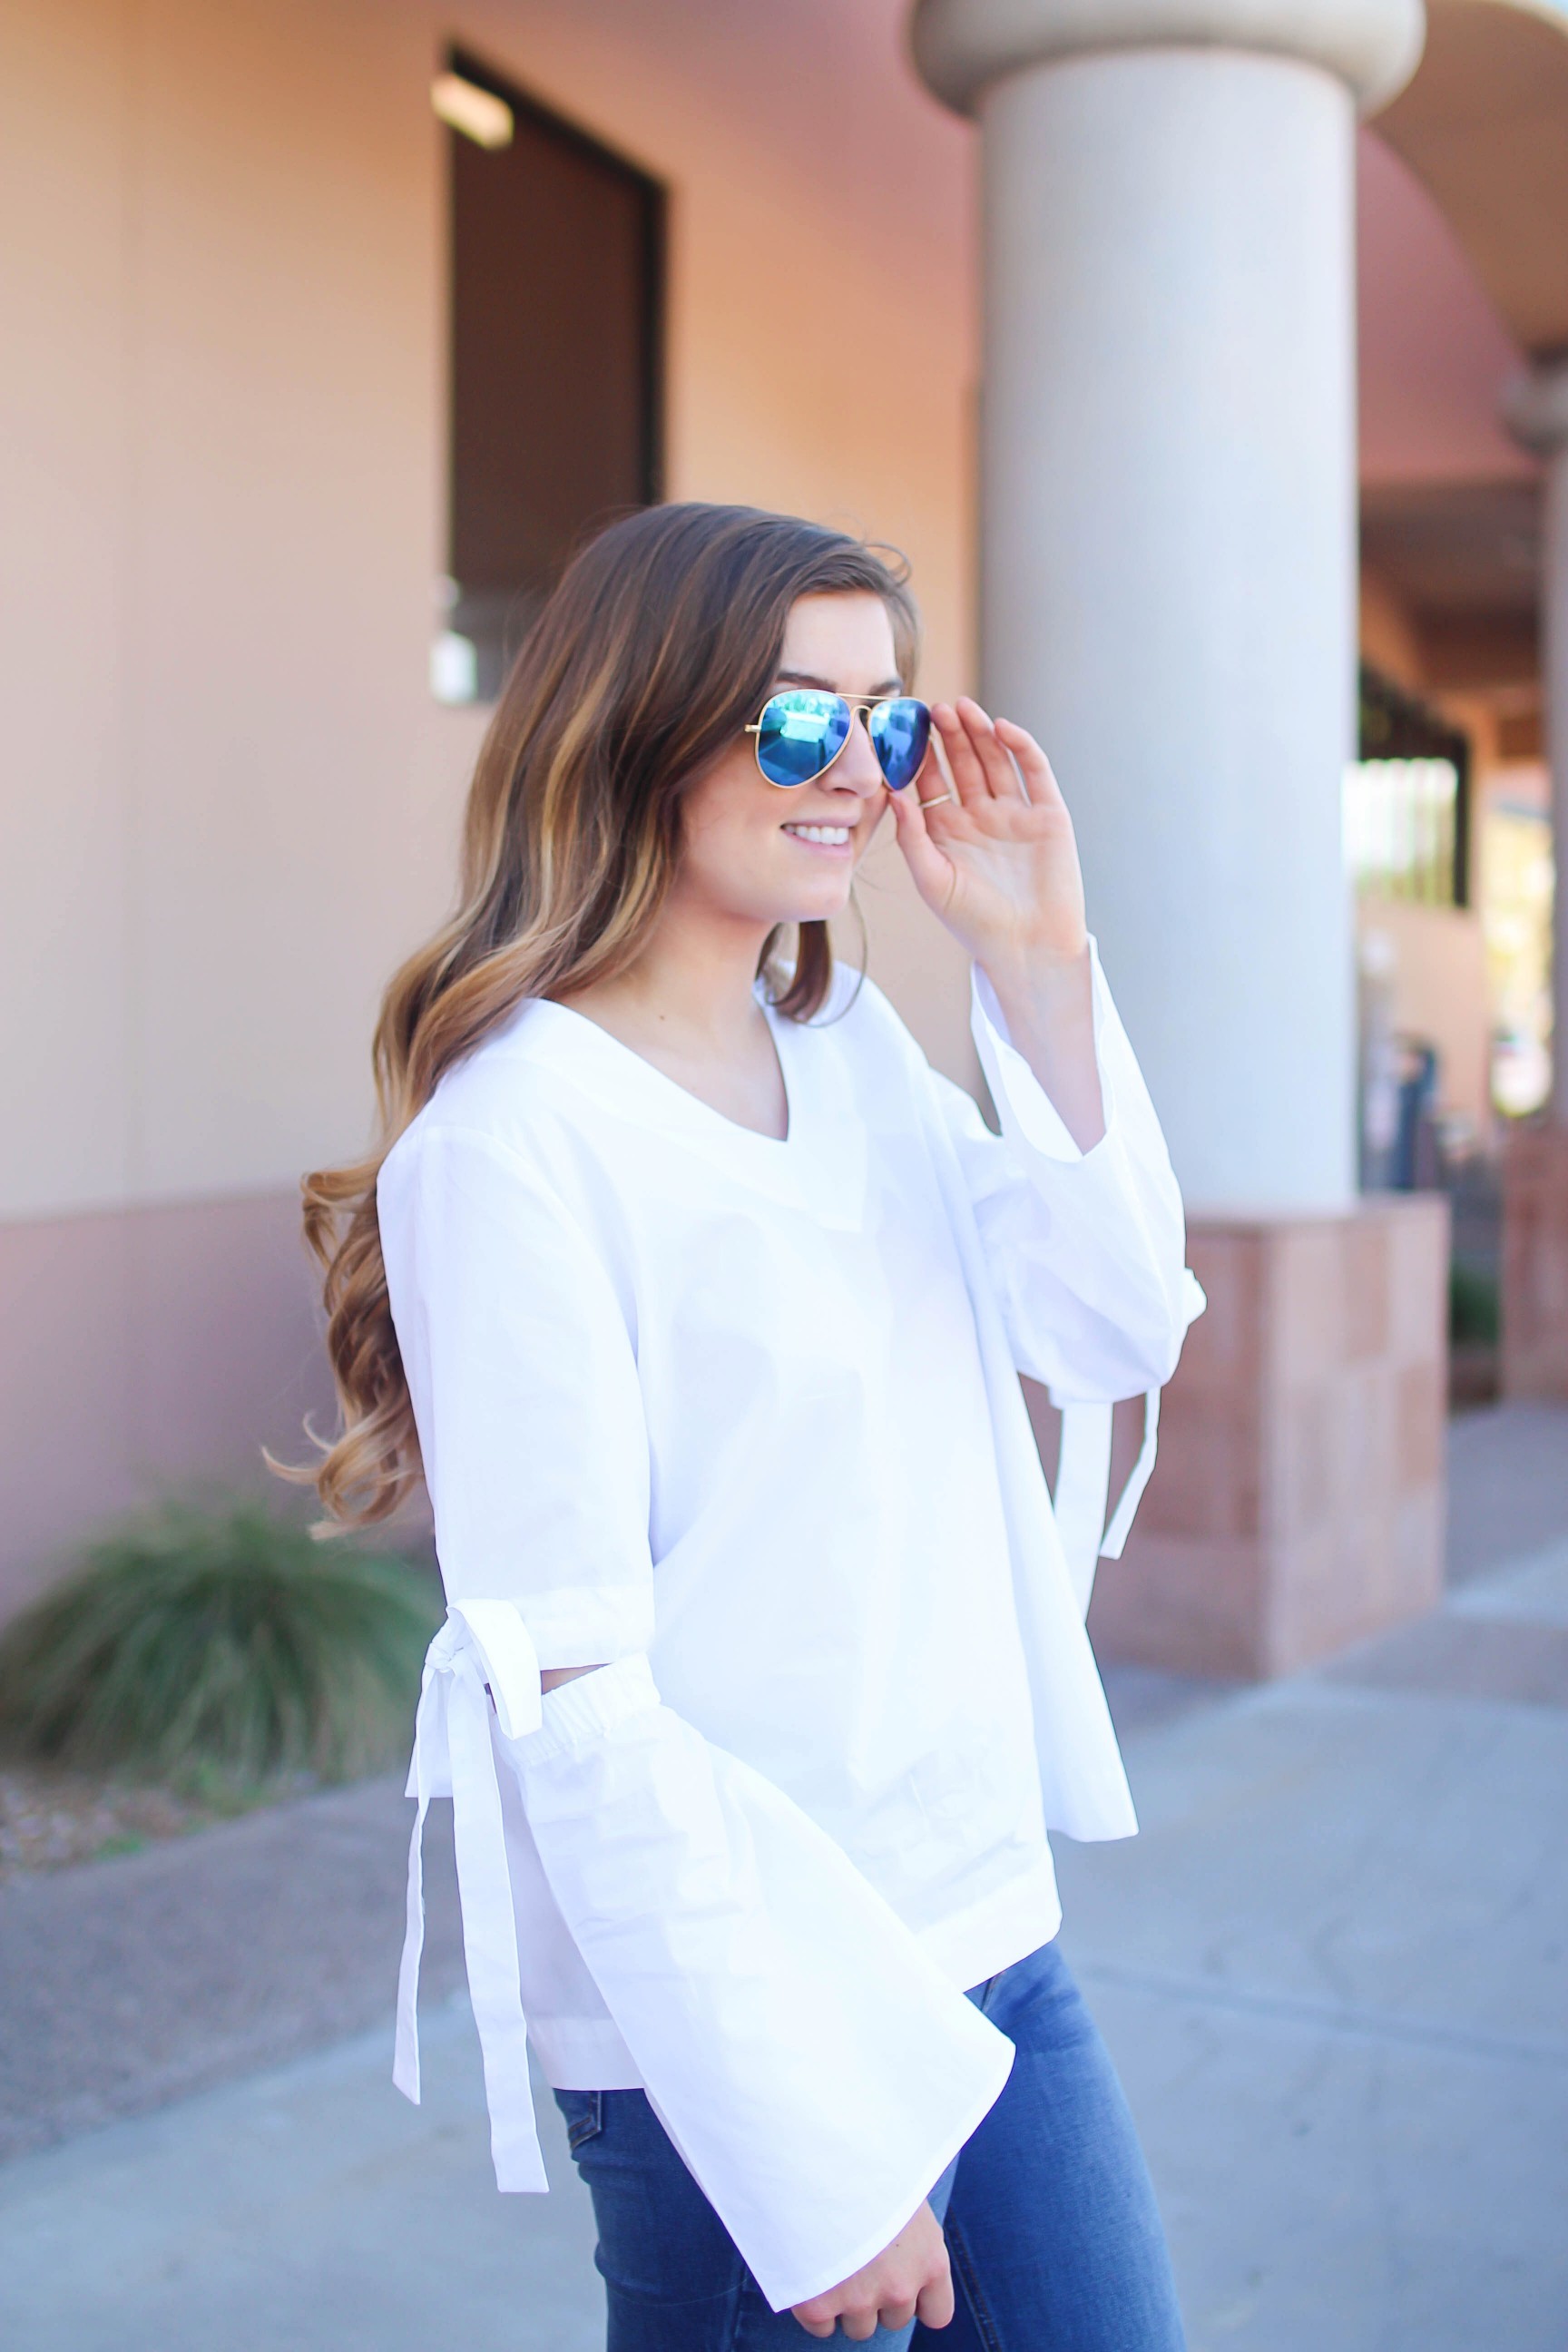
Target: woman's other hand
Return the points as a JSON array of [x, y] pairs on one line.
[[994, 858], [909, 2280], [993, 855]]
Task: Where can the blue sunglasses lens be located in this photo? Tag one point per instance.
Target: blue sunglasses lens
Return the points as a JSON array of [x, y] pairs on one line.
[[899, 733], [800, 733]]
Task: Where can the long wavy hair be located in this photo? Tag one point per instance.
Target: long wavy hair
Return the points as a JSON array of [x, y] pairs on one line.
[[657, 646]]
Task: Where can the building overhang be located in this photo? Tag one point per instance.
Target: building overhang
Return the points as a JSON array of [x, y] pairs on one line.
[[1484, 123]]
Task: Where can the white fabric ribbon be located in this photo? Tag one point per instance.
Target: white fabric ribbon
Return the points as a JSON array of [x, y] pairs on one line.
[[1115, 1535], [1083, 1488], [1083, 1471], [483, 1652]]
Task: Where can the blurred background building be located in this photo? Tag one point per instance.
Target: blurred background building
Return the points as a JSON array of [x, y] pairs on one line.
[[330, 327]]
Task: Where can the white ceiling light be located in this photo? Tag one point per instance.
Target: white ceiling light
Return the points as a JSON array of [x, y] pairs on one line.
[[478, 114]]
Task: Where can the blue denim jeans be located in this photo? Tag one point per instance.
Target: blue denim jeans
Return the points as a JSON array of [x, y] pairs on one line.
[[1049, 2210]]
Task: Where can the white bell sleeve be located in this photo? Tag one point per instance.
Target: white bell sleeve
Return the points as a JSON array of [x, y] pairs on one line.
[[1086, 1253], [814, 2067]]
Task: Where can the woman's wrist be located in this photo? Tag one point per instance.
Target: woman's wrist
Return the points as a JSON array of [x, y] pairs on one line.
[[1041, 989], [1047, 1003], [553, 1676]]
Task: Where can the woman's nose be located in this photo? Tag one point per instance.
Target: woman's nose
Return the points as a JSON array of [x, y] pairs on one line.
[[857, 769]]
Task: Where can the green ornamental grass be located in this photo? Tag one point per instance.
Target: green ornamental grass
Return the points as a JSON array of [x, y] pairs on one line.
[[220, 1651]]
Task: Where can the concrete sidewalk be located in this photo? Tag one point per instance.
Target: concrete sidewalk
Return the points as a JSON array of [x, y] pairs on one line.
[[127, 1983], [309, 2210], [1332, 1971]]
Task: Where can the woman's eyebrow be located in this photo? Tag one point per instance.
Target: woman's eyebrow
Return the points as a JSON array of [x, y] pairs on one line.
[[825, 685]]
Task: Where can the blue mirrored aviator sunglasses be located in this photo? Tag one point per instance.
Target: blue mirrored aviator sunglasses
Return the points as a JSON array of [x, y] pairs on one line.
[[802, 732]]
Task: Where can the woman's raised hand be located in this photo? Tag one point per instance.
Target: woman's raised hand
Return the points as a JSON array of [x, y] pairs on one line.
[[995, 860]]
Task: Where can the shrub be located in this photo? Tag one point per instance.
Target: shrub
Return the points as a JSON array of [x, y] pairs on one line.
[[217, 1651]]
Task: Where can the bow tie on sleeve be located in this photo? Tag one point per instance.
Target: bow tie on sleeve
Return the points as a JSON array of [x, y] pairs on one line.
[[482, 1655]]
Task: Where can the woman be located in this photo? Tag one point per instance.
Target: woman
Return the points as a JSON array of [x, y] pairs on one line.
[[699, 1299]]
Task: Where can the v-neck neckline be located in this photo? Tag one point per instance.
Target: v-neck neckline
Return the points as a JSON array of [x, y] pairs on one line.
[[675, 1095]]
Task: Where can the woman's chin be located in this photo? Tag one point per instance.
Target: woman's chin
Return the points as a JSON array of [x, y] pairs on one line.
[[822, 904], [825, 911]]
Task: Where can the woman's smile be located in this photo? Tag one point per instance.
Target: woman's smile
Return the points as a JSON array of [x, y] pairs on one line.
[[836, 837]]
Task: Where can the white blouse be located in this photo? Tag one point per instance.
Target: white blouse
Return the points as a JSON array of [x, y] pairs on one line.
[[738, 1422]]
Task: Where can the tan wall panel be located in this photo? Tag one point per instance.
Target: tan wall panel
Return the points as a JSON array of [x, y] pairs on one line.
[[145, 1352], [64, 1070], [290, 484]]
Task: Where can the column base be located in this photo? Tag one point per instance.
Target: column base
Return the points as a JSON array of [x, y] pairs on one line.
[[1299, 1500], [1535, 1261]]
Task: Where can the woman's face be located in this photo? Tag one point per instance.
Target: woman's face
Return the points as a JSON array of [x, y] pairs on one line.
[[765, 854]]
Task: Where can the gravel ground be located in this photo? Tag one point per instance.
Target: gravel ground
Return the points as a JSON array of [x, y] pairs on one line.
[[50, 1820]]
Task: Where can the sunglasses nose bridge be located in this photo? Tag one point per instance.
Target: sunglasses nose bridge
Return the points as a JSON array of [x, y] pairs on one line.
[[855, 766]]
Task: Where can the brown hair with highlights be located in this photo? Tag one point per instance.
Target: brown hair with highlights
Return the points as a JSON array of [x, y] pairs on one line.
[[657, 646]]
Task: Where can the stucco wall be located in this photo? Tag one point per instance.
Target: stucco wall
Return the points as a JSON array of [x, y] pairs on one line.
[[228, 805], [230, 800]]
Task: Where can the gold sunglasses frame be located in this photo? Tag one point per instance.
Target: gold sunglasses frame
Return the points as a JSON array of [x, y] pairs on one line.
[[857, 702]]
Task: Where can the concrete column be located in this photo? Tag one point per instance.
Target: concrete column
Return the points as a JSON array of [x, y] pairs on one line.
[[1168, 564], [1168, 521], [1535, 1174]]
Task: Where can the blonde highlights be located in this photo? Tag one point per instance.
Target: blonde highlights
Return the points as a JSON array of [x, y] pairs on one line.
[[657, 647]]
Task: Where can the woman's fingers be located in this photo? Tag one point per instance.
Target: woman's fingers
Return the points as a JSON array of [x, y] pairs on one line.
[[957, 740], [992, 759], [934, 784], [936, 2305], [995, 761], [999, 776], [1039, 781], [894, 2315], [929, 870]]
